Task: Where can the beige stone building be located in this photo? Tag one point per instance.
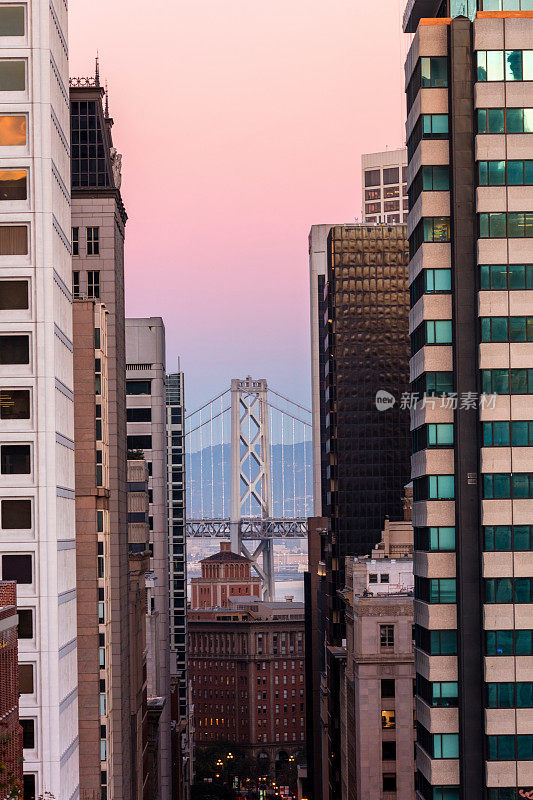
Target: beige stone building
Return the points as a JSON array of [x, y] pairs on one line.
[[376, 688]]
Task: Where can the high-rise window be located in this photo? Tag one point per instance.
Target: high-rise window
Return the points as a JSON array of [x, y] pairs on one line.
[[75, 241], [12, 128], [13, 240], [14, 404], [93, 241], [12, 21], [76, 283], [93, 284], [13, 295], [12, 75], [386, 636], [13, 184]]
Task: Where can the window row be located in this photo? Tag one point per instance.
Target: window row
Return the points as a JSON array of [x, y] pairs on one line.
[[436, 590], [504, 486], [506, 276], [509, 643], [430, 72], [436, 642], [429, 792], [435, 539], [508, 538], [505, 120], [431, 281], [507, 381], [508, 590], [510, 695], [507, 329], [434, 487], [92, 241], [431, 332], [502, 225], [438, 745], [427, 126], [504, 65], [430, 230], [429, 179], [502, 173], [432, 435], [506, 747], [518, 433], [437, 694], [433, 384]]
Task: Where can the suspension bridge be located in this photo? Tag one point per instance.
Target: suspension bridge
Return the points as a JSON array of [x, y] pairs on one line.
[[248, 469]]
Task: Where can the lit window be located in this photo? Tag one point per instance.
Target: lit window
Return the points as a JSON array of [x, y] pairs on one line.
[[12, 129], [13, 184]]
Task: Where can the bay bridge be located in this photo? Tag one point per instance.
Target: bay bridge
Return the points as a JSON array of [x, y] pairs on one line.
[[248, 470]]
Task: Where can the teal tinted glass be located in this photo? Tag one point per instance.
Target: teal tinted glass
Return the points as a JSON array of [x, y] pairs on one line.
[[497, 173], [517, 276], [484, 226], [524, 695], [447, 590], [522, 590], [528, 120], [441, 178], [523, 643], [443, 331], [482, 120], [528, 173], [482, 65], [497, 223], [520, 433], [522, 537], [519, 381], [498, 329], [515, 225], [513, 65], [502, 485], [517, 329], [442, 280], [483, 169], [515, 120], [520, 485], [515, 173], [439, 123], [445, 434], [427, 179], [500, 433]]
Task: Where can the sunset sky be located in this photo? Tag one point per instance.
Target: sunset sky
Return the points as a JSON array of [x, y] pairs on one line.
[[241, 124]]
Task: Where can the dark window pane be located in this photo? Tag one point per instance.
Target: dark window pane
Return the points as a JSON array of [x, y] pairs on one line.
[[12, 76], [12, 21], [14, 349], [28, 733], [14, 404], [25, 626], [138, 387], [13, 295], [15, 459], [16, 514], [13, 240], [26, 678], [17, 567]]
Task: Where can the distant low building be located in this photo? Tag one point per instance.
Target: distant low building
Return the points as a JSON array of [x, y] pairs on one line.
[[225, 576], [246, 665]]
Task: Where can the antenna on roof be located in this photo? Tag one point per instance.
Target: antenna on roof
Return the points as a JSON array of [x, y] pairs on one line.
[[106, 102], [97, 71]]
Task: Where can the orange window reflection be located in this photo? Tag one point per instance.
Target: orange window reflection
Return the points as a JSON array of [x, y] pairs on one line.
[[13, 184], [12, 130]]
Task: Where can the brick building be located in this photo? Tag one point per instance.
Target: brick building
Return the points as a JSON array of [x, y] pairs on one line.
[[246, 666], [10, 730], [225, 576]]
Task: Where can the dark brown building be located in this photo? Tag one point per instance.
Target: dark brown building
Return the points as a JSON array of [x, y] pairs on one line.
[[247, 672], [11, 734]]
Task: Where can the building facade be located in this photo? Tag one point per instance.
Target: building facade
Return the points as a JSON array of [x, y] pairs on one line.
[[93, 542], [377, 674], [247, 672], [225, 578], [97, 242], [36, 407], [182, 747], [13, 737], [384, 190], [146, 432], [469, 99], [360, 353]]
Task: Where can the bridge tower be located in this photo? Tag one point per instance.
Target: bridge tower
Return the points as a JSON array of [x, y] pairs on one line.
[[251, 480]]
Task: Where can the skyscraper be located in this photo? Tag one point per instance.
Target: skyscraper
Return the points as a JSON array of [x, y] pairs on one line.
[[146, 430], [36, 406], [98, 229], [469, 102], [181, 738], [360, 353]]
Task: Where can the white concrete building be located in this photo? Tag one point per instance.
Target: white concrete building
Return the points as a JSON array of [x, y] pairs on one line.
[[36, 410], [146, 424], [384, 191]]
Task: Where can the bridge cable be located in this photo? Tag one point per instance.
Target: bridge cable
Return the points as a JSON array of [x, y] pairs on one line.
[[289, 400], [206, 422], [209, 402]]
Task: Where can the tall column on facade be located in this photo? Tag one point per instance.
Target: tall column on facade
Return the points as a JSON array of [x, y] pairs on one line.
[[36, 400]]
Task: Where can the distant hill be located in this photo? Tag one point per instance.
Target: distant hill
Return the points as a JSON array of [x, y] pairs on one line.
[[210, 469]]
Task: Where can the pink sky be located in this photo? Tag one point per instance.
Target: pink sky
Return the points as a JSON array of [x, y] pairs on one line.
[[241, 124]]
